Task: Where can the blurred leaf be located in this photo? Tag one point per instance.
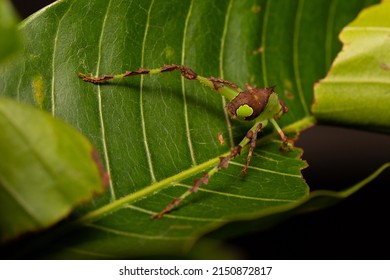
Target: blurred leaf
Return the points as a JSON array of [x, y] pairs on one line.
[[46, 169], [158, 133], [357, 89], [10, 39]]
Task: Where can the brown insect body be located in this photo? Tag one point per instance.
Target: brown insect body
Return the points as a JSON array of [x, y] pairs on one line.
[[255, 98]]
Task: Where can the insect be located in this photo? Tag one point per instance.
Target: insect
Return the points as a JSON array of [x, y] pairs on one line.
[[257, 105]]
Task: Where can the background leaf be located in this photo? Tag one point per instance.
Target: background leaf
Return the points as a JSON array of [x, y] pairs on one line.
[[10, 39], [177, 120], [357, 89], [46, 169]]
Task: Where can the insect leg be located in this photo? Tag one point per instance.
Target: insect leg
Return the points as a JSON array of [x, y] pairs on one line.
[[287, 143], [253, 137], [216, 84], [223, 163], [219, 82], [185, 71]]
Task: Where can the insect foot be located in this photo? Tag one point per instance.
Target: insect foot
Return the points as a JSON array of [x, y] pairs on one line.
[[168, 208], [287, 145], [87, 78], [204, 180]]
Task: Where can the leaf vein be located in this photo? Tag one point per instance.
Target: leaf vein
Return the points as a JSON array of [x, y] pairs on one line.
[[186, 119], [297, 26], [238, 196], [100, 105], [266, 170], [53, 59], [139, 209], [146, 145], [263, 39], [221, 72]]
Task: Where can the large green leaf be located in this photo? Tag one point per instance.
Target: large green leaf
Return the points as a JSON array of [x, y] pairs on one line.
[[158, 133], [357, 88]]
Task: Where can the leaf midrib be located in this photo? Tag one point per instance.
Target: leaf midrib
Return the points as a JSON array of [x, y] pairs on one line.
[[148, 190]]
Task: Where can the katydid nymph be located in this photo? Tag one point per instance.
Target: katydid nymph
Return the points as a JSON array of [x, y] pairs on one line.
[[257, 105]]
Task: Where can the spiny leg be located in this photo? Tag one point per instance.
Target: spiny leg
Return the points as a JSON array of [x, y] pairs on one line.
[[250, 137], [216, 84], [185, 71], [253, 136]]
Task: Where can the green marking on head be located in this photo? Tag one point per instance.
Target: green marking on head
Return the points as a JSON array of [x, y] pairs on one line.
[[244, 111]]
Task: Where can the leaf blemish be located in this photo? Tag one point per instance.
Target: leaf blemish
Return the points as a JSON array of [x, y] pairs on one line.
[[259, 50], [256, 9], [289, 95], [288, 89], [38, 90], [105, 177], [221, 139], [385, 66], [169, 53]]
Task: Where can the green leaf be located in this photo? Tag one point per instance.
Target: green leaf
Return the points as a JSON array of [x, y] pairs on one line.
[[158, 133], [356, 90], [10, 39], [46, 169]]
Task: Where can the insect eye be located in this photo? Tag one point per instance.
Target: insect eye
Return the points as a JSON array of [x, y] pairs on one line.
[[244, 111]]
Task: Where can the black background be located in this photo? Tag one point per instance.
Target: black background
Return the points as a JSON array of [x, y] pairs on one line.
[[338, 158]]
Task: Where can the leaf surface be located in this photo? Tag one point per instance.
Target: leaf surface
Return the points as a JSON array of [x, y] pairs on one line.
[[158, 133], [357, 89]]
